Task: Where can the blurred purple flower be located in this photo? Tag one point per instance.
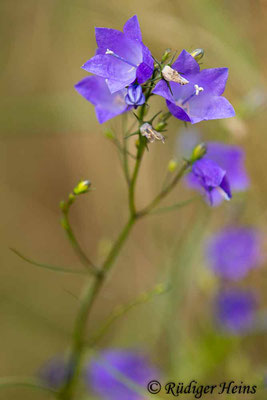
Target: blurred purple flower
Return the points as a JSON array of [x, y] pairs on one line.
[[135, 96], [54, 372], [121, 57], [230, 159], [107, 105], [233, 252], [115, 374], [236, 310], [210, 177], [201, 98]]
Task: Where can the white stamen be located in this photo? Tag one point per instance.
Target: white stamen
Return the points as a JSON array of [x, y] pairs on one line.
[[198, 89], [109, 51]]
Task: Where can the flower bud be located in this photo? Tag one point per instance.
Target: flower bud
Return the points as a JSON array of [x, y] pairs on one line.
[[151, 134], [135, 96], [172, 165], [171, 75], [197, 54], [82, 187], [166, 55], [161, 125], [109, 134], [198, 152]]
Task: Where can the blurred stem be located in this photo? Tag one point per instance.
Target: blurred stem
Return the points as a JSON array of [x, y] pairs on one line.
[[123, 309], [24, 382], [72, 238]]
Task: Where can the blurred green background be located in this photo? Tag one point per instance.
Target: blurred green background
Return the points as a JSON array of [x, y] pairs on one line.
[[50, 139]]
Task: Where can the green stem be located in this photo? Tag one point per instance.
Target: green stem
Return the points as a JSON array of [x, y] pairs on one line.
[[165, 191], [24, 382], [87, 300]]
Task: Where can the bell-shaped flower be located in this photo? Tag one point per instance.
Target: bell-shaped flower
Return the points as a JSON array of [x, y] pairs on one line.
[[107, 105], [121, 57], [210, 177], [201, 98]]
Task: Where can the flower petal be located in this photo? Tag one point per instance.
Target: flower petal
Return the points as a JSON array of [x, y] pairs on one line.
[[163, 90], [178, 112], [132, 28], [213, 80], [186, 64]]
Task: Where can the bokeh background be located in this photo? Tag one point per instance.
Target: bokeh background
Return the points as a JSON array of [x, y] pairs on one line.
[[50, 139]]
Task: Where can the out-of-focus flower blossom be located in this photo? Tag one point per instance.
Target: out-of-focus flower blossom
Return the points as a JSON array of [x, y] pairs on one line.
[[151, 134], [200, 99], [121, 57], [236, 310], [54, 372], [135, 96], [117, 374], [230, 159], [210, 177], [233, 252], [107, 105]]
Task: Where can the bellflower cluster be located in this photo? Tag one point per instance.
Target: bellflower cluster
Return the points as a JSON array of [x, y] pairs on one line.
[[119, 374]]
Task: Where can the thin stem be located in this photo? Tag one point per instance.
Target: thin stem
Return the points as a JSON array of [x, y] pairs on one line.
[[123, 309], [75, 244], [27, 382], [165, 191]]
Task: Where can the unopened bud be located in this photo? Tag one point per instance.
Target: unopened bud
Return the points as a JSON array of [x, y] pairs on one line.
[[171, 75], [109, 134], [172, 165], [151, 134], [82, 187], [166, 55], [199, 151], [197, 54], [161, 125]]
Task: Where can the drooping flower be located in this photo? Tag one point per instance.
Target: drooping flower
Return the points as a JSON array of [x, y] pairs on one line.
[[121, 57], [234, 251], [150, 133], [229, 158], [107, 105], [119, 374], [210, 177], [135, 96], [236, 310], [54, 372], [200, 99]]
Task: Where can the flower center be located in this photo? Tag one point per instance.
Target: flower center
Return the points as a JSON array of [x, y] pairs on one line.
[[196, 92], [111, 53]]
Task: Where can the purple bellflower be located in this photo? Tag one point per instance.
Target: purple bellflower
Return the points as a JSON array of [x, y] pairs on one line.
[[210, 177], [121, 57], [236, 310], [230, 159], [117, 374], [135, 96], [200, 99], [107, 105], [233, 252]]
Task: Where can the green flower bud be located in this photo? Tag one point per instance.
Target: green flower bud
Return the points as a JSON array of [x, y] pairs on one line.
[[197, 54], [160, 125], [109, 134], [199, 151], [82, 187], [166, 55], [172, 165]]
